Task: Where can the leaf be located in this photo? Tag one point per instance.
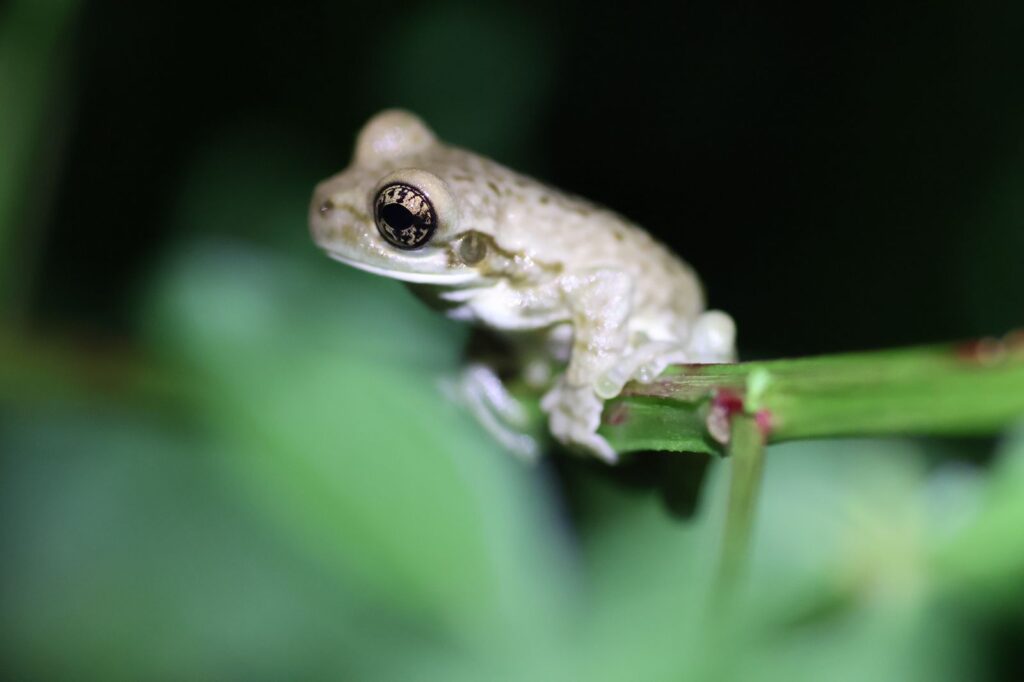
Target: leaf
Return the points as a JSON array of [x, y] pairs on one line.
[[334, 421]]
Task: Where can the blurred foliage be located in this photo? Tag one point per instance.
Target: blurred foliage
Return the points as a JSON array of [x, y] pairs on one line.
[[306, 505], [32, 68]]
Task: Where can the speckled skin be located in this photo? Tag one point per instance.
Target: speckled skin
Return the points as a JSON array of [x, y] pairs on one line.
[[566, 279]]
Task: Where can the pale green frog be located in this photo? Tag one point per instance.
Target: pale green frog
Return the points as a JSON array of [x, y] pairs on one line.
[[588, 299]]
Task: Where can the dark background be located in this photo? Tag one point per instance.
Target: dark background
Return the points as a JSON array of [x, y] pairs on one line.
[[841, 174]]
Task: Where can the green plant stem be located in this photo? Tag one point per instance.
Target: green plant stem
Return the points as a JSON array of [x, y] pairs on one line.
[[724, 409], [737, 409], [968, 388], [746, 466], [41, 371]]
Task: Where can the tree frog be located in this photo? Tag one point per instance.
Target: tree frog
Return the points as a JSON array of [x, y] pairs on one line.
[[587, 299]]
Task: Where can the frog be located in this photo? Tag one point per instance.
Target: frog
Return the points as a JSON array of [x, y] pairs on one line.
[[586, 300]]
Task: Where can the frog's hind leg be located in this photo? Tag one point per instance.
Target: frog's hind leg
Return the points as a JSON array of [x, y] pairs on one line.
[[644, 364], [481, 390], [711, 339], [599, 303]]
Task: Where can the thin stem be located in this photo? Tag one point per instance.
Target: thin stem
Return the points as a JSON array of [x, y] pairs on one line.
[[746, 466]]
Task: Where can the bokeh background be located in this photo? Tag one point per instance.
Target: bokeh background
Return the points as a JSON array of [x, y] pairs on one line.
[[224, 457]]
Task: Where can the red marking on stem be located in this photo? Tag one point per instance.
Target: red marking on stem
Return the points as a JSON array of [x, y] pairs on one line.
[[697, 367], [985, 351], [1015, 341], [728, 401], [724, 405], [765, 422]]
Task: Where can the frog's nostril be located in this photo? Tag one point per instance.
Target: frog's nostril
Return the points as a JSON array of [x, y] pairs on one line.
[[326, 207]]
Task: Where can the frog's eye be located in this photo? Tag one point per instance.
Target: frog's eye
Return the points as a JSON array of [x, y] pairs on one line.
[[404, 216]]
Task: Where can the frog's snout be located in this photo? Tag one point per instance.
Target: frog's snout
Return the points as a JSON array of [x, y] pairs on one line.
[[330, 220]]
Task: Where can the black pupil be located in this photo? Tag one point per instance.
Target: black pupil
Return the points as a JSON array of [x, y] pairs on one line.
[[397, 216]]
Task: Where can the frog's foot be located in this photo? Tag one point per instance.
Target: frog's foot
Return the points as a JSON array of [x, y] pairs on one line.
[[713, 338], [574, 413], [644, 364], [480, 390]]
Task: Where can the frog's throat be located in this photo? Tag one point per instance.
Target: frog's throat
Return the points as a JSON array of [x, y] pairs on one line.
[[442, 278]]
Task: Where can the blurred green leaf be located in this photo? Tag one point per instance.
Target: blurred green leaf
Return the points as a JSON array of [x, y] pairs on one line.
[[985, 558], [123, 559], [333, 410], [33, 35]]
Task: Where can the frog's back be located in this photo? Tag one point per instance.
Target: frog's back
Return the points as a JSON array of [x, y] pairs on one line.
[[662, 283], [529, 217], [543, 222]]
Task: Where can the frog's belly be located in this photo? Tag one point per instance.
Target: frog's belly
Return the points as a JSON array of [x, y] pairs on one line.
[[513, 313]]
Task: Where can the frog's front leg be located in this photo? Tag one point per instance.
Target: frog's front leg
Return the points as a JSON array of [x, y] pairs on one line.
[[481, 391], [599, 304]]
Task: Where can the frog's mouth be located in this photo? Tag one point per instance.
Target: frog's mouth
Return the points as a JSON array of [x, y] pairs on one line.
[[441, 278]]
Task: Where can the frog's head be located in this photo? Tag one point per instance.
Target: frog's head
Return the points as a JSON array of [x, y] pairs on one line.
[[390, 214]]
